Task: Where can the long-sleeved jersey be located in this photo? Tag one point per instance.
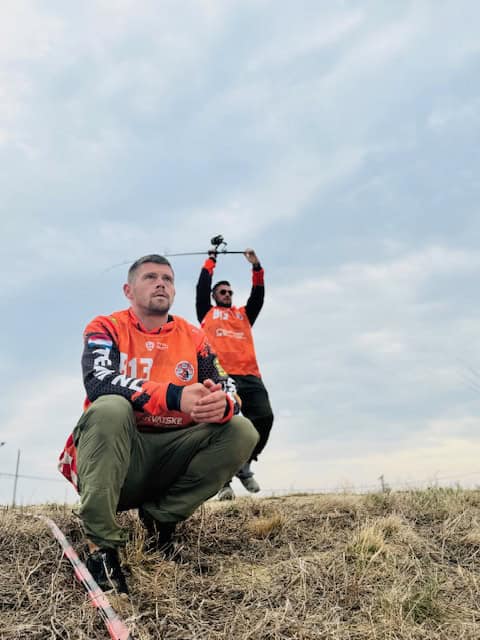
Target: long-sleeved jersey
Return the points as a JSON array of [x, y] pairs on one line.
[[228, 329], [148, 368]]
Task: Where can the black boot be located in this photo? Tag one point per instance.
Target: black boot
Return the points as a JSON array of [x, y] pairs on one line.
[[105, 568], [159, 535]]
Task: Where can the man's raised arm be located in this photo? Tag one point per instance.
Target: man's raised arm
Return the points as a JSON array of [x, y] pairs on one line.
[[257, 293], [204, 286]]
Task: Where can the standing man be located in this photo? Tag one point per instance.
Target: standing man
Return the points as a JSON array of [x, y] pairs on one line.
[[228, 329], [158, 432]]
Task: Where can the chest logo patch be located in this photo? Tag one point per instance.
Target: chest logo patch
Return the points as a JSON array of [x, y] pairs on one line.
[[150, 345], [184, 370]]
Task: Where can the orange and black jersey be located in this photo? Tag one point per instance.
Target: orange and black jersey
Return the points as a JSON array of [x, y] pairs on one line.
[[149, 368], [228, 329]]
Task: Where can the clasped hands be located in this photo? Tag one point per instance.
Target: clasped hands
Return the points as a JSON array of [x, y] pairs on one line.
[[204, 401]]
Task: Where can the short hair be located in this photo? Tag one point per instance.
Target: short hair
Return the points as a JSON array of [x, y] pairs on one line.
[[152, 257], [219, 283]]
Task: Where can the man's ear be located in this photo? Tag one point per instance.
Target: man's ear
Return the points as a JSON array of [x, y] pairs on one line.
[[127, 291]]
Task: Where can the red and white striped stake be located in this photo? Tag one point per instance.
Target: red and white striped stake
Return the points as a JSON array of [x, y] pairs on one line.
[[116, 627]]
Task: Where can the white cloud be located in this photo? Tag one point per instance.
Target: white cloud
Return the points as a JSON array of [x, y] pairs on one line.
[[455, 115], [42, 409], [45, 412], [291, 184], [414, 267], [27, 37], [26, 33], [373, 284], [368, 57], [382, 342], [62, 253], [438, 452], [362, 344], [284, 49]]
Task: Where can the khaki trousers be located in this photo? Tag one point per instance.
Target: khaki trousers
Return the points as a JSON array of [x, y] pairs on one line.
[[169, 473]]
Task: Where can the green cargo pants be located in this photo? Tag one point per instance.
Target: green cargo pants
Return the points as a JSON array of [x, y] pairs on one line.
[[169, 473]]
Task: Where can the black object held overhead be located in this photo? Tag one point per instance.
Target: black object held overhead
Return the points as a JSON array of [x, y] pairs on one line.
[[219, 246], [218, 240]]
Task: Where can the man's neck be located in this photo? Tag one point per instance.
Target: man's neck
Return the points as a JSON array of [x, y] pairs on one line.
[[150, 322]]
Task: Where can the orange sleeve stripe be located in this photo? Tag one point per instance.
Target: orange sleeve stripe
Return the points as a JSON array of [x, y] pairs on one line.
[[209, 265]]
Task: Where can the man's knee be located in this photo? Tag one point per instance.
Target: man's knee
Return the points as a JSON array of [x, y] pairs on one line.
[[244, 436], [113, 405], [109, 415]]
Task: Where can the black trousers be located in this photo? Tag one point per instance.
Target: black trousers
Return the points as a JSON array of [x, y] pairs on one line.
[[256, 407]]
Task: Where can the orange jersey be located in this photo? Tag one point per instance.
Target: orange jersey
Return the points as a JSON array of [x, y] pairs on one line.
[[148, 361], [229, 332]]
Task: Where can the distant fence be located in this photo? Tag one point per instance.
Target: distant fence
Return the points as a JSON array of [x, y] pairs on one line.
[[382, 484], [41, 478], [47, 496]]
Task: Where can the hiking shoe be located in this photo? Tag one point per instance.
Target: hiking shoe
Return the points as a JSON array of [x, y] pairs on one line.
[[226, 493], [159, 535], [105, 568], [250, 484]]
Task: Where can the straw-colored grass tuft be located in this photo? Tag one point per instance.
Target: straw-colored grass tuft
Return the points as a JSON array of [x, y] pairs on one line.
[[267, 527]]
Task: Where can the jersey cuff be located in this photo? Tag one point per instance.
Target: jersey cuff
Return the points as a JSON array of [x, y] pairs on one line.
[[229, 409], [257, 277], [174, 396], [209, 265]]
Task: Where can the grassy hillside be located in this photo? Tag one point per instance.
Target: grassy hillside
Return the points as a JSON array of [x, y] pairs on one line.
[[380, 566]]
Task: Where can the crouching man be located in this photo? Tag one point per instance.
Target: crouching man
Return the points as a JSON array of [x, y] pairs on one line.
[[159, 431]]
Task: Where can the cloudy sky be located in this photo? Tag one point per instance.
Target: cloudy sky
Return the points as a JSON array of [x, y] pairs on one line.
[[339, 139]]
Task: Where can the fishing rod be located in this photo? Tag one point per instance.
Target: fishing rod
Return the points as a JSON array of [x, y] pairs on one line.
[[219, 246]]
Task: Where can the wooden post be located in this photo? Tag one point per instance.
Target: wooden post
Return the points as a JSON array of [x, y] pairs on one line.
[[16, 479]]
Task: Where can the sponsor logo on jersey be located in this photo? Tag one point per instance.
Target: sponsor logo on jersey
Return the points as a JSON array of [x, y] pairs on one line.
[[162, 346], [184, 370], [173, 420], [239, 315], [226, 333]]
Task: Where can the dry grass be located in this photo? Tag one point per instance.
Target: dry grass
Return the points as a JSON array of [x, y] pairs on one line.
[[391, 566]]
